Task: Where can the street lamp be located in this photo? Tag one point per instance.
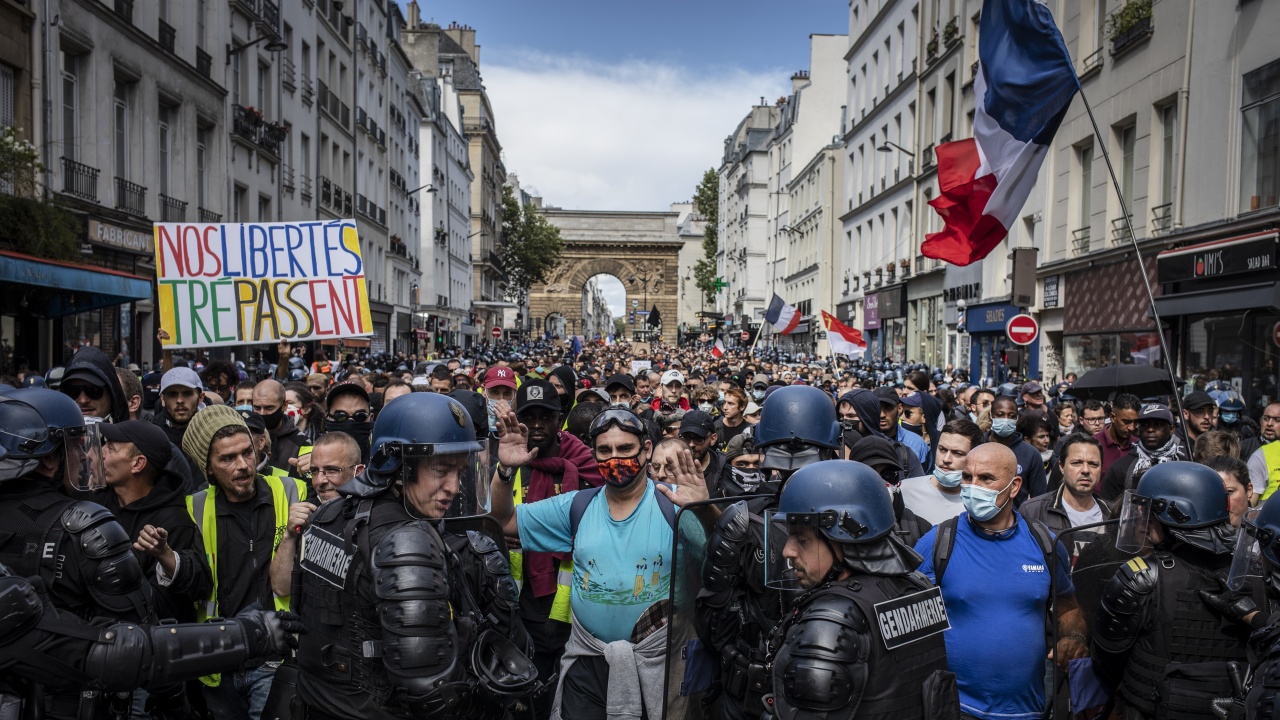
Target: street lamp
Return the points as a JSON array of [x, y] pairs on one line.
[[888, 146], [275, 45], [428, 187], [645, 278]]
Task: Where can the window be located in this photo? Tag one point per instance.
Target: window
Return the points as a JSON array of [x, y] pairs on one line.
[[1085, 156], [202, 20], [264, 75], [304, 155], [203, 138], [70, 104], [264, 208], [1168, 130], [1260, 144], [238, 209], [1127, 137], [120, 129], [165, 140], [235, 75], [1099, 24]]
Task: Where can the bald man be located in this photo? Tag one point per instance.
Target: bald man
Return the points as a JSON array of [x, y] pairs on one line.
[[268, 401], [996, 588]]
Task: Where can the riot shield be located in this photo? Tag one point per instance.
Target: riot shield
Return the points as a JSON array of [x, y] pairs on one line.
[[693, 662]]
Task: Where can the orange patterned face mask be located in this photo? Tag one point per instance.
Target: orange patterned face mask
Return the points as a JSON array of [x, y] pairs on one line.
[[620, 472]]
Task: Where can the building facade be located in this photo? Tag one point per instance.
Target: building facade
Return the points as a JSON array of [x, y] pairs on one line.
[[743, 218]]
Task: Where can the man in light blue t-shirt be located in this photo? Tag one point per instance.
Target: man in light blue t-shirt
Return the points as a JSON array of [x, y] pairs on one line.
[[621, 556], [996, 589]]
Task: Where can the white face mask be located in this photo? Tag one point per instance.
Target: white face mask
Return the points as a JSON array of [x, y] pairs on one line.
[[706, 407]]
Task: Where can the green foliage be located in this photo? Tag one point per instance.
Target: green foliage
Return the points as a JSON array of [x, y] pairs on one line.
[[1133, 12], [19, 162], [706, 201], [620, 328], [38, 228], [530, 247]]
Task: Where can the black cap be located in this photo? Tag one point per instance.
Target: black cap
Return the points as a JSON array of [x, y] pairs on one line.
[[87, 376], [346, 388], [1193, 401], [256, 424], [148, 438], [537, 393], [623, 380], [698, 423], [888, 396]]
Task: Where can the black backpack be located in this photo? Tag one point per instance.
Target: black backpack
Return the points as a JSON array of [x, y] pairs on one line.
[[584, 497]]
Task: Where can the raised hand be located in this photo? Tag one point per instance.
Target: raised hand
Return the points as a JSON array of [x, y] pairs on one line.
[[690, 486], [513, 441]]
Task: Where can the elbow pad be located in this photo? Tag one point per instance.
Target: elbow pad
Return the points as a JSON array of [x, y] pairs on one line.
[[1122, 610], [725, 547], [116, 581]]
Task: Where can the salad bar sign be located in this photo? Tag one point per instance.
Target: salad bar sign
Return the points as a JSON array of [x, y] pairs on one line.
[[1212, 260]]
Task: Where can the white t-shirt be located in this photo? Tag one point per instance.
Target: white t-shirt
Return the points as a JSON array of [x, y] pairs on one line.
[[1078, 518], [922, 498]]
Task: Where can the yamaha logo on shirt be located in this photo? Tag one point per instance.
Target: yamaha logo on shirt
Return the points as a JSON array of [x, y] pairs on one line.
[[1034, 568]]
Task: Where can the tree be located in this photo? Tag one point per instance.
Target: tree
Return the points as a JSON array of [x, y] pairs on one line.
[[530, 249], [706, 200]]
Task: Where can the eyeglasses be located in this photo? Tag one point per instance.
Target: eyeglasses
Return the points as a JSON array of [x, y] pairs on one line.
[[331, 472], [343, 416], [93, 392]]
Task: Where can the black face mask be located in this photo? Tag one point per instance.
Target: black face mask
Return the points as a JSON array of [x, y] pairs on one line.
[[150, 396], [917, 429], [359, 431], [272, 421]]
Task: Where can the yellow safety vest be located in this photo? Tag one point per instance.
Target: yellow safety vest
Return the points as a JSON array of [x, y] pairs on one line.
[[564, 579], [1271, 453], [202, 509]]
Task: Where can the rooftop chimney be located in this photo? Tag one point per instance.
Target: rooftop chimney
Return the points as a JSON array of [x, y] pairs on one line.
[[415, 16]]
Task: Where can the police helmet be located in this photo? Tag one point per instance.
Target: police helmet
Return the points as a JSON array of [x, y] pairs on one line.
[[1008, 390], [501, 667], [420, 424], [53, 378], [844, 500], [798, 413], [1184, 495], [33, 381], [24, 438], [60, 413], [1267, 525], [1230, 402]]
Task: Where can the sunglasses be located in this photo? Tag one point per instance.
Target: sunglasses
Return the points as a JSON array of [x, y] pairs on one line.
[[343, 416], [93, 392]]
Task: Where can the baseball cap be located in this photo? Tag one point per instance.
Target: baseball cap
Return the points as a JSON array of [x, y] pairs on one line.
[[87, 376], [888, 396], [671, 376], [346, 388], [760, 379], [741, 444], [1155, 411], [256, 424], [1193, 401], [592, 392], [1030, 388], [501, 377], [147, 437], [623, 380], [537, 393], [752, 408], [181, 377], [698, 423], [910, 399]]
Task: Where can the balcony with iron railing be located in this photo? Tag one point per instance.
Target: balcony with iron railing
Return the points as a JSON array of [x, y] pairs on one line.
[[248, 124], [286, 177], [270, 15], [1092, 63], [926, 161], [288, 73], [131, 197], [326, 191], [308, 91], [79, 180], [1080, 240], [306, 188], [248, 7], [172, 209], [167, 36], [1120, 230], [346, 203], [205, 215], [1161, 218]]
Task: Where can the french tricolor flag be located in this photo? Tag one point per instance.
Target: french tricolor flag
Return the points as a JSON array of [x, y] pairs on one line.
[[1024, 85], [781, 316]]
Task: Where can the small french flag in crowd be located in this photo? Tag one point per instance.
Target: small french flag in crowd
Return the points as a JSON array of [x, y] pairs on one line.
[[1025, 83], [781, 316], [718, 349]]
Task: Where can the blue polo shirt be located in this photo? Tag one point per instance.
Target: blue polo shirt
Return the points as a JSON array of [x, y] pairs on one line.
[[917, 445], [996, 588]]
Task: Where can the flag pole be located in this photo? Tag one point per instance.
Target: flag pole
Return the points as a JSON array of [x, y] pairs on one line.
[[752, 352], [1142, 270]]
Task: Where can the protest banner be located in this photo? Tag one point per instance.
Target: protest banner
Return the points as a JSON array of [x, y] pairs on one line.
[[244, 283]]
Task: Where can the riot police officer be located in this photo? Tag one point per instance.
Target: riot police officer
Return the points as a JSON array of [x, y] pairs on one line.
[[1165, 646], [1259, 543], [403, 618], [797, 427], [56, 650], [865, 638], [77, 548]]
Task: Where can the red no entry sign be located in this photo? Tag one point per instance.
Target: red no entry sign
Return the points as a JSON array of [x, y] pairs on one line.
[[746, 335], [496, 333], [1022, 329]]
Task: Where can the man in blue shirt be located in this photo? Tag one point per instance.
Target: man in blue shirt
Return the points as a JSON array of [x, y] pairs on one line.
[[621, 552], [996, 588], [890, 410]]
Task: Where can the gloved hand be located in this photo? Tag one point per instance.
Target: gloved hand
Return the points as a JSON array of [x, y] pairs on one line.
[[269, 634], [1236, 606]]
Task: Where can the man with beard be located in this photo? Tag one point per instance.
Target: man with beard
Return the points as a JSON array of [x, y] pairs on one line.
[[620, 537], [241, 516], [562, 464], [286, 440], [1156, 444], [1073, 503]]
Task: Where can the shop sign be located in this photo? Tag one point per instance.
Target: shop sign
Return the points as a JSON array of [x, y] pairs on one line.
[[1051, 291], [871, 312], [1251, 253], [893, 303], [114, 236], [990, 318], [966, 292]]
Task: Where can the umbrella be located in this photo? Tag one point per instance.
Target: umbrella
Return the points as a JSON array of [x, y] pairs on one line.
[[1106, 382]]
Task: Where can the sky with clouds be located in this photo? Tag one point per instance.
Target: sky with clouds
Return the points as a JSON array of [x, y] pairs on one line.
[[623, 106]]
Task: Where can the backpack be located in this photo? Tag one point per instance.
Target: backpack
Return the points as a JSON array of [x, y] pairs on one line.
[[945, 540], [584, 497]]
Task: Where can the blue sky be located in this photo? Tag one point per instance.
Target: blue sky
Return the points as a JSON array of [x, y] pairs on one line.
[[616, 105]]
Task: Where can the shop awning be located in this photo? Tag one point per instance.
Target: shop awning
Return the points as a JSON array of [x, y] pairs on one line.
[[1218, 300], [346, 342], [52, 288]]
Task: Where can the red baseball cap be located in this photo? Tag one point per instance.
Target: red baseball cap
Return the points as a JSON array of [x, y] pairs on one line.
[[500, 377]]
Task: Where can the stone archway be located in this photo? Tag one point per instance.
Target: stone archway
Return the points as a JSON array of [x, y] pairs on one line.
[[643, 245]]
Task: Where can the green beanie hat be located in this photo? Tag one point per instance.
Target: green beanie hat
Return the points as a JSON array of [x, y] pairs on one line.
[[203, 426]]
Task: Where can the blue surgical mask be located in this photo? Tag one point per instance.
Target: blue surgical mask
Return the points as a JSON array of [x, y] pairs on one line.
[[721, 396], [757, 394], [947, 478], [1230, 418], [980, 502], [1003, 427]]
